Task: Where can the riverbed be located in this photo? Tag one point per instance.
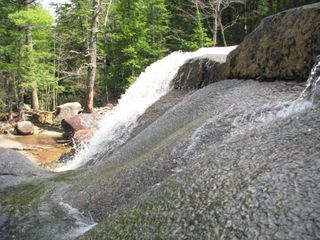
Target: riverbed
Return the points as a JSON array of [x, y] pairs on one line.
[[42, 148]]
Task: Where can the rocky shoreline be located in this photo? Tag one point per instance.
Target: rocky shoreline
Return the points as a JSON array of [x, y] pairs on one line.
[[43, 148]]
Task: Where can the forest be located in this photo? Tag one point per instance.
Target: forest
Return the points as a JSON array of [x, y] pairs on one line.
[[92, 50]]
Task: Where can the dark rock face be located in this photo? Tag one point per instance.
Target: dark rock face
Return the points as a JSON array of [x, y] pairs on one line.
[[67, 110], [199, 72], [25, 128], [284, 46], [16, 169]]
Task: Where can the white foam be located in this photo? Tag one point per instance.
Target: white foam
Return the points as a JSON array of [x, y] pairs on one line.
[[83, 224], [266, 114], [154, 82]]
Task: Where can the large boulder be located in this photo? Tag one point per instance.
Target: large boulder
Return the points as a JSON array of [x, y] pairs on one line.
[[25, 128], [16, 169], [284, 46], [200, 71], [67, 110], [81, 126]]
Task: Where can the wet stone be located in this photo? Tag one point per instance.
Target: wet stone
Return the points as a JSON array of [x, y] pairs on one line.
[[3, 220]]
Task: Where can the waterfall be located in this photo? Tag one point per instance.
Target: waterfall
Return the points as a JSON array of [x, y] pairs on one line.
[[268, 113], [116, 126], [311, 92]]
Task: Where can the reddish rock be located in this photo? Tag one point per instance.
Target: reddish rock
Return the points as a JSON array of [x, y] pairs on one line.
[[83, 135], [25, 128], [80, 125]]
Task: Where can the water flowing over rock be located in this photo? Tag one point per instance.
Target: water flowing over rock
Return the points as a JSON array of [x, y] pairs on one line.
[[200, 177], [200, 71], [282, 47], [237, 159], [117, 125], [312, 91]]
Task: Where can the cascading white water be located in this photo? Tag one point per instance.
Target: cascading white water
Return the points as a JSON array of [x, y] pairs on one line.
[[269, 113], [154, 82], [311, 92], [82, 223]]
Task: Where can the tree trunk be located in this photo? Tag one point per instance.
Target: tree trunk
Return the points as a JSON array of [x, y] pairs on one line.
[[92, 57], [34, 97], [245, 19], [20, 77], [278, 6], [199, 23], [105, 24], [34, 88], [21, 90], [270, 6], [9, 86], [215, 30], [217, 19], [222, 33], [107, 14], [54, 103], [107, 95]]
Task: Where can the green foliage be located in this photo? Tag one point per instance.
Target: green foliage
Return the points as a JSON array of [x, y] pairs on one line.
[[2, 99], [37, 17], [251, 13], [135, 38], [36, 65], [200, 37], [138, 33], [71, 44]]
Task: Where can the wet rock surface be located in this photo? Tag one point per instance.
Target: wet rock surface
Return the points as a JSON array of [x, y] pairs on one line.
[[284, 46], [199, 72], [17, 169], [159, 108], [208, 180], [236, 159]]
